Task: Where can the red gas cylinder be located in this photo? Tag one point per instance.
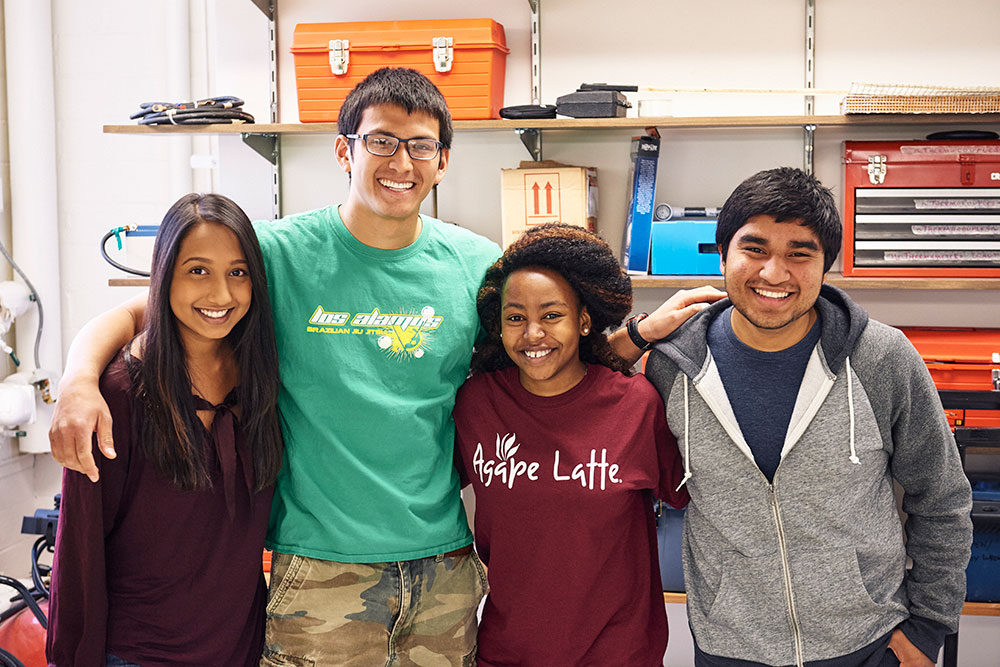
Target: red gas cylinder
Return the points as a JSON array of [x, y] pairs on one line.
[[24, 637]]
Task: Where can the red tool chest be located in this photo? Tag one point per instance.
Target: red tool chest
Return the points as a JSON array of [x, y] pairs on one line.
[[465, 58], [961, 360], [922, 208]]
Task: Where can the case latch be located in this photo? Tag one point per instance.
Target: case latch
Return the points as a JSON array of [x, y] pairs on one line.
[[340, 56], [877, 166], [996, 372], [967, 169], [443, 53]]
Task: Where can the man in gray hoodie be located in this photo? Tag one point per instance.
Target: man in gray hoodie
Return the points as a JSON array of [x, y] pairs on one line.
[[795, 413]]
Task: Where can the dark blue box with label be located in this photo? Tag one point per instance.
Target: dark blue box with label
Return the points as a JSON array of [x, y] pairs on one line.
[[669, 528], [983, 574]]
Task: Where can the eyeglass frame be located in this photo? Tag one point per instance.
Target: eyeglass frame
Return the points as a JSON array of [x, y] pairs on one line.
[[364, 140]]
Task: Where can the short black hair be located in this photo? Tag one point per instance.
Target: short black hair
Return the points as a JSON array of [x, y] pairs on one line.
[[590, 267], [786, 194], [401, 87]]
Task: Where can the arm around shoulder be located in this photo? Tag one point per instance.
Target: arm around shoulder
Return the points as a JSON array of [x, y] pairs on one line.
[[81, 410]]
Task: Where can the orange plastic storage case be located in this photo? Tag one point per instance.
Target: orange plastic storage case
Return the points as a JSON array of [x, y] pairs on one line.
[[465, 58], [960, 360]]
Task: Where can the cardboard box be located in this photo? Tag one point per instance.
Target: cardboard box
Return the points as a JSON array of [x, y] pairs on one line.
[[684, 248], [465, 58], [642, 190], [540, 192]]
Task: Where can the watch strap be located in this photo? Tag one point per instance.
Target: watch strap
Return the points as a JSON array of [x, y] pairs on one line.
[[632, 327]]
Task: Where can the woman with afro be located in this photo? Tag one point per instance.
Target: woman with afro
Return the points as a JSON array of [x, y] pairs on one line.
[[565, 451]]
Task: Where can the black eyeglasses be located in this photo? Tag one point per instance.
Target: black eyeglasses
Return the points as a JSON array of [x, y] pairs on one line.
[[383, 145]]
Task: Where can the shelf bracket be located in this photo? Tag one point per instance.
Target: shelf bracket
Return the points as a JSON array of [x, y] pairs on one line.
[[532, 140], [265, 145], [808, 147], [266, 6]]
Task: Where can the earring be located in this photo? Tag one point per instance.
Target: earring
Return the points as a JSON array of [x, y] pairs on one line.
[[586, 331]]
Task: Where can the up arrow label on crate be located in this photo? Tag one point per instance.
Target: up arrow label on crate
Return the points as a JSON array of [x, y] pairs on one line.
[[535, 188]]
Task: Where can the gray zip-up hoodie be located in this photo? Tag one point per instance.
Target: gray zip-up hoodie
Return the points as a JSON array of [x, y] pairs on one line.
[[813, 566]]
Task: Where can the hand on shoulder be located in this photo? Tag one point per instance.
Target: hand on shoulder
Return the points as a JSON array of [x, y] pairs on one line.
[[677, 310]]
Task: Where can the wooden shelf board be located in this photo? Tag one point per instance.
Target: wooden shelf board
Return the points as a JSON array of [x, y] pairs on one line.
[[680, 282], [969, 609], [669, 122], [836, 279]]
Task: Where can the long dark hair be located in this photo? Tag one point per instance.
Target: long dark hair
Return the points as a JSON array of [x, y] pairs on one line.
[[589, 266], [169, 435]]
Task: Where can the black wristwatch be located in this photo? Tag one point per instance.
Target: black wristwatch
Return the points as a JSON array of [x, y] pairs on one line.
[[632, 326]]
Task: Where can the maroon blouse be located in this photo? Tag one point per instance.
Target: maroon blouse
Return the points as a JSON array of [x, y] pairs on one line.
[[151, 573]]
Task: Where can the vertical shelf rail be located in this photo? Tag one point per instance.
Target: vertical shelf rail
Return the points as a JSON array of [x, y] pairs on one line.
[[536, 52], [272, 26], [532, 139], [269, 145], [809, 131]]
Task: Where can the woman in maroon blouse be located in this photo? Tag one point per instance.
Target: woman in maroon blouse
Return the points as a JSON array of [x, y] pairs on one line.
[[565, 451], [159, 562]]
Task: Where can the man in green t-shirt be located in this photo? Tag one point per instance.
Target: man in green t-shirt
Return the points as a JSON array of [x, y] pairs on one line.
[[375, 320]]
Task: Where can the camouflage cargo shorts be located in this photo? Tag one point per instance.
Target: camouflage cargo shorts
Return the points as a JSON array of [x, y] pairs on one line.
[[417, 613]]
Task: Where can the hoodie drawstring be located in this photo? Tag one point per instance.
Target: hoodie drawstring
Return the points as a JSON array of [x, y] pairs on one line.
[[850, 408], [687, 445]]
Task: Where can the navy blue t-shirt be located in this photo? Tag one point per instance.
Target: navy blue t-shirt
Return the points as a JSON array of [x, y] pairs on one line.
[[761, 386]]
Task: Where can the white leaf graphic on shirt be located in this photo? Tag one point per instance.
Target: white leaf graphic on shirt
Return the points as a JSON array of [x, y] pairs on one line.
[[506, 448]]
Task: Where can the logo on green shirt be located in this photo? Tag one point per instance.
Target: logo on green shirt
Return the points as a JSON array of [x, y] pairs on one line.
[[401, 335]]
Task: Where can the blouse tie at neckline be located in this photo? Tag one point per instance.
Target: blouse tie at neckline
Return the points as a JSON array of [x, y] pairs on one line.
[[223, 436]]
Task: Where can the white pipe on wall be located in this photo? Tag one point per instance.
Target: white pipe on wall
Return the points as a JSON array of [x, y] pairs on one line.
[[34, 212], [178, 67]]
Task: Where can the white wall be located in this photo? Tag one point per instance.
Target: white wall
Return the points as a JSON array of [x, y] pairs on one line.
[[113, 54]]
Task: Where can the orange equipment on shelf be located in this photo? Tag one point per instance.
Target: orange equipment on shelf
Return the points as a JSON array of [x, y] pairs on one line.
[[961, 360], [465, 58]]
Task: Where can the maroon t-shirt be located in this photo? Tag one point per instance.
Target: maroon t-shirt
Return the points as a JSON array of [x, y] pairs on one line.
[[151, 573], [564, 522]]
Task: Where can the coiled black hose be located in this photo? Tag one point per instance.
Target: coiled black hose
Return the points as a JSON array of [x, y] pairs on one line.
[[122, 267]]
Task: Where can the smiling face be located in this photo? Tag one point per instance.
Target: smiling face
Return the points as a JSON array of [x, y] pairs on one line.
[[541, 322], [389, 189], [210, 289], [773, 273]]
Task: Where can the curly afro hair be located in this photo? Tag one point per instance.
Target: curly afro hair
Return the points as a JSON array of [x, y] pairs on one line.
[[591, 269]]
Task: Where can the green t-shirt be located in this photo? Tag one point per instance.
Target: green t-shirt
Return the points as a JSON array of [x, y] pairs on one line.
[[372, 346]]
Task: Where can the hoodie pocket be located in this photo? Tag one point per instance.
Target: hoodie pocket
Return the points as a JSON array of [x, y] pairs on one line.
[[749, 613], [833, 606]]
